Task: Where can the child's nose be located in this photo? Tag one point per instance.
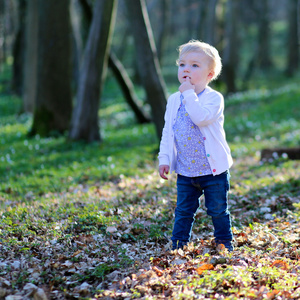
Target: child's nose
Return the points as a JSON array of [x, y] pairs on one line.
[[186, 68]]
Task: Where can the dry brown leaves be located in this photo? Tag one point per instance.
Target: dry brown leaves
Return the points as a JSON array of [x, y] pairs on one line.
[[264, 264]]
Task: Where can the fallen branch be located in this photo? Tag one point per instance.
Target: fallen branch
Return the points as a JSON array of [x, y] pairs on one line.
[[289, 153]]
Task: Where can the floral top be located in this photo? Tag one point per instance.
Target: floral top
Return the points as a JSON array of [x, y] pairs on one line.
[[191, 156]]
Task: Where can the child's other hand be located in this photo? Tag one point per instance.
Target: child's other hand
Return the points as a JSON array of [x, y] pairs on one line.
[[186, 85], [163, 169]]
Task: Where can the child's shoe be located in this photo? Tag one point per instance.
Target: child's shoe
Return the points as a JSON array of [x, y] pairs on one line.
[[178, 245]]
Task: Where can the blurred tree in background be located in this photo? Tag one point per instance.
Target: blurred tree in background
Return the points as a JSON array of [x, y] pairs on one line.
[[53, 97], [47, 44], [147, 61], [85, 123]]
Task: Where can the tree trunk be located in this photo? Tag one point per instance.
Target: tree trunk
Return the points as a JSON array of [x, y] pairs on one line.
[[1, 33], [85, 115], [200, 24], [118, 71], [264, 47], [18, 51], [127, 87], [230, 53], [293, 42], [163, 28], [189, 18], [53, 100], [298, 23], [210, 27], [8, 28], [30, 56], [148, 65]]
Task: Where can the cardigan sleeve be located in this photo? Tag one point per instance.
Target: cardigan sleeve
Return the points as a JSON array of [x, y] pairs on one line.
[[163, 155], [207, 109]]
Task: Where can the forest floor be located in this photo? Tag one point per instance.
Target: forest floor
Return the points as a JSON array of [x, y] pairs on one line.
[[94, 221]]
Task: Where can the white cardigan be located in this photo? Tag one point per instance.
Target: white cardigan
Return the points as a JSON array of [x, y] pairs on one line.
[[205, 112]]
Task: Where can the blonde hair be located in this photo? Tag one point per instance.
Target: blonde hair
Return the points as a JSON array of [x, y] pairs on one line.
[[210, 51]]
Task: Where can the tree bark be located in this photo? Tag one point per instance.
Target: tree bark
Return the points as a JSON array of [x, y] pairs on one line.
[[118, 71], [53, 99], [85, 125], [127, 87], [163, 28], [8, 28], [200, 24], [18, 51], [30, 56], [210, 28], [230, 52], [264, 58], [148, 65], [293, 42], [298, 23], [2, 54]]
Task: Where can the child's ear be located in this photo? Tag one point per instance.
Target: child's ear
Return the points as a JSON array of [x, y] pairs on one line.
[[211, 75]]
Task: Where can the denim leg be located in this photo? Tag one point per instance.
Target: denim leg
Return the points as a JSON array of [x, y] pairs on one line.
[[187, 204], [216, 196]]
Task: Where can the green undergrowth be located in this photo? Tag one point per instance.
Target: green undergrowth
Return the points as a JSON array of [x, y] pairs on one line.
[[259, 119]]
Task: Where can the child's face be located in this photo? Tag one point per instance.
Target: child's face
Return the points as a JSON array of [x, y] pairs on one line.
[[197, 67]]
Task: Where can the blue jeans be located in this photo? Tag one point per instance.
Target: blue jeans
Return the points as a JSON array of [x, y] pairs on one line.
[[189, 190]]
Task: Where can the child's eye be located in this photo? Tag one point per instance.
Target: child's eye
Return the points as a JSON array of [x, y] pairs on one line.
[[195, 66], [181, 65]]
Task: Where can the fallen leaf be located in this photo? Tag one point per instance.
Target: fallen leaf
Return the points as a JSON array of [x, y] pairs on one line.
[[157, 271], [76, 253], [204, 267], [220, 247], [111, 229], [272, 295], [280, 264]]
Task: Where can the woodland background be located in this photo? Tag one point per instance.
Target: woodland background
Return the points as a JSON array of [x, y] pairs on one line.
[[60, 53], [83, 89]]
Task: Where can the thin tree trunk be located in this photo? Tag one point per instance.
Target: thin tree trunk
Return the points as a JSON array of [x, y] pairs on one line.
[[148, 65], [230, 55], [118, 71], [298, 23], [53, 104], [200, 27], [189, 18], [127, 87], [293, 46], [18, 51], [264, 58], [2, 54], [261, 50], [85, 125], [163, 28], [31, 56], [210, 22]]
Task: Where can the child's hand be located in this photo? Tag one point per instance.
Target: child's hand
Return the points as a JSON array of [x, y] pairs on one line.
[[163, 169], [186, 85]]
